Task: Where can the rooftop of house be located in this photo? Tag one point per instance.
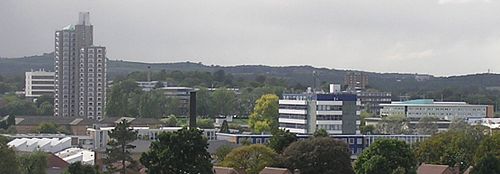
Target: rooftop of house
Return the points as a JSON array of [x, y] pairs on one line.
[[273, 170], [433, 169], [224, 170]]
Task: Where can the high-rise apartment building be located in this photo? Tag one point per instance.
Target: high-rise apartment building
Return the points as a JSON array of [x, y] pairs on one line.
[[80, 72]]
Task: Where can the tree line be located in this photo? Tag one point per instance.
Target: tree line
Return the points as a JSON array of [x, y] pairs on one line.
[[15, 105], [126, 98]]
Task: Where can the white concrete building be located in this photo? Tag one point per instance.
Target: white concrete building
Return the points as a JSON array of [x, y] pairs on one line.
[[416, 109], [492, 123], [38, 83], [72, 155], [304, 113], [51, 145]]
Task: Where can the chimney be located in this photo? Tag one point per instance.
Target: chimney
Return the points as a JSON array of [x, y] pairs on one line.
[[192, 109]]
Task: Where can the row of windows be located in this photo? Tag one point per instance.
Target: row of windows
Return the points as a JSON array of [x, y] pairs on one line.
[[300, 107], [292, 125], [42, 77], [329, 117], [330, 126], [376, 99], [42, 87], [328, 108], [444, 109], [292, 116]]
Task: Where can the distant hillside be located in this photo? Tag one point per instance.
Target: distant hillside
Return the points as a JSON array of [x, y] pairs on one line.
[[397, 83]]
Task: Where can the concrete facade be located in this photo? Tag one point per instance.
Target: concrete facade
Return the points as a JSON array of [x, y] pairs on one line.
[[38, 83], [305, 113], [80, 72], [416, 109]]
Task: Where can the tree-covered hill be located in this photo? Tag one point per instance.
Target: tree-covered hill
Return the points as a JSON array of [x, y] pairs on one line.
[[394, 82]]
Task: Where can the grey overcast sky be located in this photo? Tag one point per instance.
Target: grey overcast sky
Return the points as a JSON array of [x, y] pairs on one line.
[[440, 37]]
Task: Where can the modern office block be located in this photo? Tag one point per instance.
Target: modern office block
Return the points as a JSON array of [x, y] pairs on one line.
[[39, 83], [305, 113]]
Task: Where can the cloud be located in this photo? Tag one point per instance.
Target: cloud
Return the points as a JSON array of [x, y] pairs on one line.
[[461, 1]]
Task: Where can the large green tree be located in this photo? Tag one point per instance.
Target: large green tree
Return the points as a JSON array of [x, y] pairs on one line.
[[221, 152], [251, 159], [204, 106], [455, 147], [487, 164], [318, 155], [46, 109], [281, 139], [490, 144], [33, 163], [119, 100], [152, 104], [386, 156], [265, 114], [224, 102], [119, 146], [8, 164], [183, 151]]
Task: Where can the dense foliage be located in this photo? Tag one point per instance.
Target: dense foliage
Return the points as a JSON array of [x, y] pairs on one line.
[[8, 164], [386, 156], [183, 151], [281, 139], [221, 152], [14, 105], [79, 168], [251, 159], [318, 155], [33, 163], [320, 133], [459, 146], [264, 117]]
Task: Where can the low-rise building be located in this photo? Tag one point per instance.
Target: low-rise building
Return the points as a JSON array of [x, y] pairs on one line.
[[416, 109], [51, 145], [100, 135], [356, 143], [150, 85], [304, 113], [77, 125]]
